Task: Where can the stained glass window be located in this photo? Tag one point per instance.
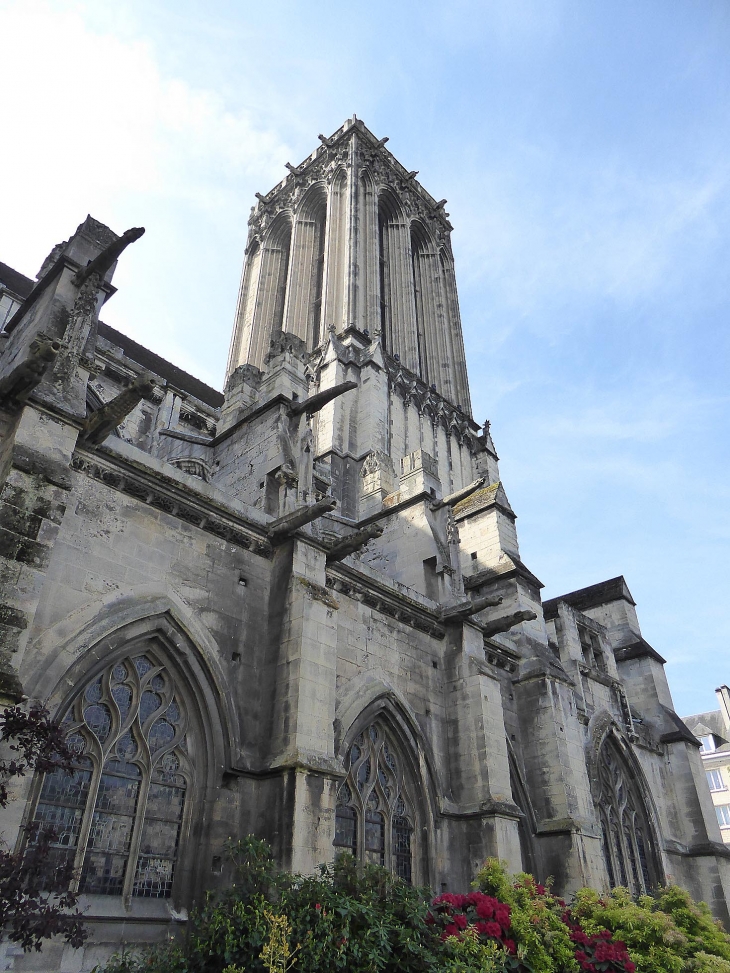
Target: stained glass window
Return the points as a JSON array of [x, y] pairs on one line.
[[374, 813], [625, 825], [118, 819]]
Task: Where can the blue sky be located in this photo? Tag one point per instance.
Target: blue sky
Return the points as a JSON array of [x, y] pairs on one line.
[[584, 152]]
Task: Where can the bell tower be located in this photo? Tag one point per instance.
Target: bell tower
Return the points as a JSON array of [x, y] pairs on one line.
[[349, 275], [350, 239]]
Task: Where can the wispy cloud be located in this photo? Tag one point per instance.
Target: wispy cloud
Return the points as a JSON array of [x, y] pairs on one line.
[[96, 118]]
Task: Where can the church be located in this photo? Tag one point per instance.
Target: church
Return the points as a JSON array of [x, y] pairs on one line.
[[298, 609]]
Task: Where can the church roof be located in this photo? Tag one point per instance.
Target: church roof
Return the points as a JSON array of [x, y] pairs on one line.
[[594, 595], [14, 281], [21, 286]]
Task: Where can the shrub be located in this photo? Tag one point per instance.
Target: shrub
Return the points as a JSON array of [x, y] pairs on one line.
[[363, 920]]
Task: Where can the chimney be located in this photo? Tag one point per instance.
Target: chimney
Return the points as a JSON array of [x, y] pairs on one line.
[[723, 696]]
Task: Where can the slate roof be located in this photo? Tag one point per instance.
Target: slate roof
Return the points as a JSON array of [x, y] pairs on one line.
[[21, 285], [15, 282], [154, 363], [594, 595]]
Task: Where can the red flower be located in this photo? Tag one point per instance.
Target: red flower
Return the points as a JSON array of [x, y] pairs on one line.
[[461, 921], [430, 919], [629, 966], [510, 946], [493, 929], [502, 915], [318, 907], [450, 930], [605, 933], [540, 889], [486, 908]]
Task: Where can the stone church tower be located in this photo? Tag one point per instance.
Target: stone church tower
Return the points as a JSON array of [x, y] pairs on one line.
[[298, 609]]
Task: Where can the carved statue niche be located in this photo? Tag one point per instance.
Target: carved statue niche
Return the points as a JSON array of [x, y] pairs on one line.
[[440, 518]]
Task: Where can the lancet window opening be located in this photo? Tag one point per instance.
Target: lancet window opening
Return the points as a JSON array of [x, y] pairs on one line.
[[374, 819], [384, 278], [119, 818], [625, 828]]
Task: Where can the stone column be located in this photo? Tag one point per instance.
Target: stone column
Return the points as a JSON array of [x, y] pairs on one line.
[[302, 735]]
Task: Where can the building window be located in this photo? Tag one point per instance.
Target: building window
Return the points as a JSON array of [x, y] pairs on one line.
[[626, 832], [8, 307], [707, 744], [374, 817], [591, 648], [118, 819], [723, 815], [715, 780]]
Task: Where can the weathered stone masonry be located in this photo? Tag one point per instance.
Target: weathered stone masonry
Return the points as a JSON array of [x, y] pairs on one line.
[[298, 608]]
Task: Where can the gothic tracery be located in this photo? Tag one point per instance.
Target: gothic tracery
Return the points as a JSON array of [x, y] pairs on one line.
[[118, 819], [374, 817], [625, 828]]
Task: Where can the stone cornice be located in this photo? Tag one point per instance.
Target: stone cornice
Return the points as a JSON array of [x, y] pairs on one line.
[[175, 499], [382, 598]]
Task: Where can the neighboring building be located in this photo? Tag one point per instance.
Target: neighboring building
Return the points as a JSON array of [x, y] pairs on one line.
[[14, 288], [298, 609], [713, 731]]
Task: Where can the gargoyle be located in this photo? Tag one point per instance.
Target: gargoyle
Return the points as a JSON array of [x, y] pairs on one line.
[[353, 542], [285, 526], [101, 264], [27, 374], [506, 622], [457, 613], [104, 420]]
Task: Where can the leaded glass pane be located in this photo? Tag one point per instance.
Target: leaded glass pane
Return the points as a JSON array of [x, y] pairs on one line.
[[142, 664], [374, 838], [160, 735], [402, 848], [346, 829], [99, 720], [122, 696], [160, 835], [149, 704]]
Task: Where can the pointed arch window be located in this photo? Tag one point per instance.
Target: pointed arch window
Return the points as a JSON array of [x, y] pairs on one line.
[[119, 818], [374, 819], [626, 832]]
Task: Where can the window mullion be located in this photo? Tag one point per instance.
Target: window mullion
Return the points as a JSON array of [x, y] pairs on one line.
[[86, 822], [144, 789]]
